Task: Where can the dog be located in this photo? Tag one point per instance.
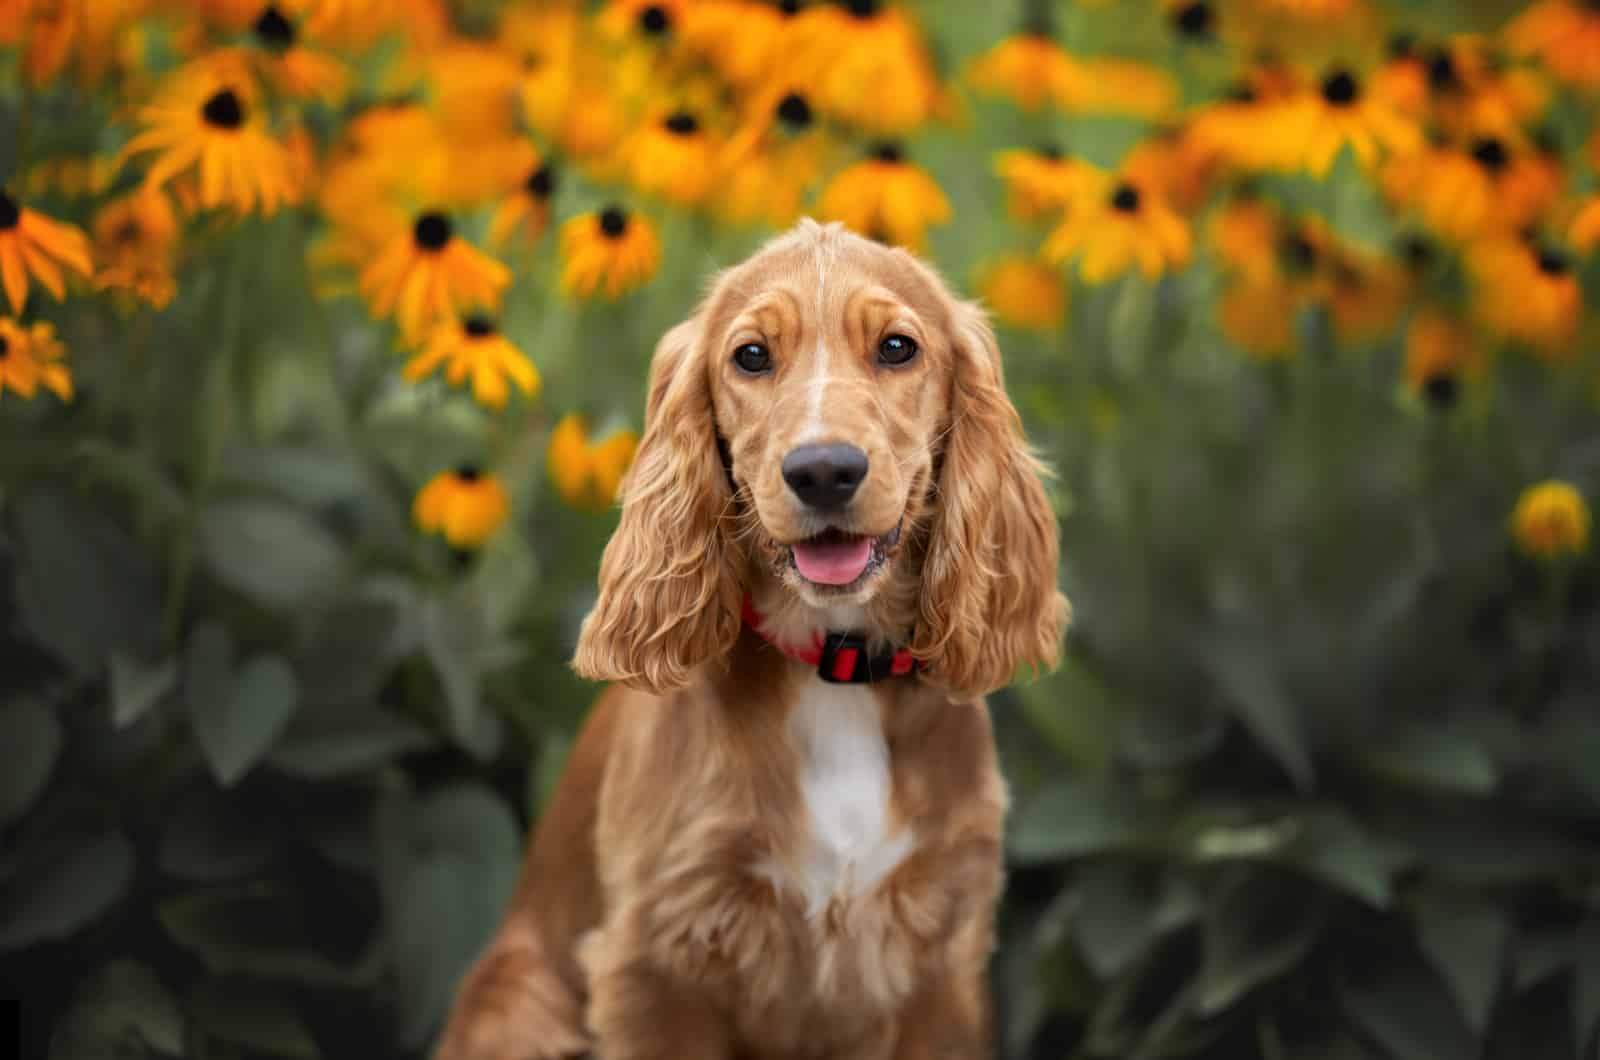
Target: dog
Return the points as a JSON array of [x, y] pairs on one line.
[[779, 833]]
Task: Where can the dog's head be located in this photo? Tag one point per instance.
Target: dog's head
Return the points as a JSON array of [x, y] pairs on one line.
[[831, 421]]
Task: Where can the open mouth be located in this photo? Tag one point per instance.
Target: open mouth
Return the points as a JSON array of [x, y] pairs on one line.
[[835, 558]]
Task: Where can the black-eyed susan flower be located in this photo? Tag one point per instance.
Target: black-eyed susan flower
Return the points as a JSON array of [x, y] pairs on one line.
[[1245, 234], [1402, 79], [1551, 521], [586, 473], [1257, 314], [31, 357], [135, 238], [1340, 114], [1528, 293], [474, 348], [771, 163], [1475, 93], [742, 41], [1044, 183], [287, 62], [1024, 292], [32, 244], [1122, 228], [1585, 234], [526, 210], [428, 272], [1030, 70], [1488, 187], [1176, 165], [45, 33], [1365, 296], [866, 64], [610, 252], [673, 158], [1564, 35], [885, 197], [209, 124], [1442, 356], [465, 505]]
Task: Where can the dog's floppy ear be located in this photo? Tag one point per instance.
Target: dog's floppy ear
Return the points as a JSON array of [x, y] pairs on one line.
[[989, 597], [669, 585]]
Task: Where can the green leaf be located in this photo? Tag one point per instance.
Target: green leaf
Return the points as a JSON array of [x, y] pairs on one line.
[[1074, 712], [1540, 955], [207, 838], [1252, 692], [454, 635], [1466, 941], [344, 653], [1407, 1009], [1442, 756], [1121, 907], [237, 716], [302, 474], [30, 743], [257, 930], [1072, 819], [334, 742], [252, 1015], [1337, 850], [83, 589], [136, 686], [272, 552], [136, 475], [1258, 925], [447, 864], [121, 1008], [71, 882], [1586, 986]]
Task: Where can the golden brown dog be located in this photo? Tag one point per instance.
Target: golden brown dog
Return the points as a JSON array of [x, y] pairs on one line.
[[744, 859]]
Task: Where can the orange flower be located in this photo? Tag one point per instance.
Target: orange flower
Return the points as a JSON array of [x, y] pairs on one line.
[[474, 347], [1441, 355], [607, 252], [1126, 228], [134, 241], [1565, 36], [1528, 294], [1339, 114], [31, 243], [428, 272], [1044, 183], [464, 505], [885, 197], [1585, 234], [31, 358], [1024, 292]]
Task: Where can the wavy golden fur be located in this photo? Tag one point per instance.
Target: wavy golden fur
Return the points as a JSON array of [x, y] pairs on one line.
[[687, 892]]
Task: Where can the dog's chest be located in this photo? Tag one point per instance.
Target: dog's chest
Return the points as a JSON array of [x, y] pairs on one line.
[[846, 784]]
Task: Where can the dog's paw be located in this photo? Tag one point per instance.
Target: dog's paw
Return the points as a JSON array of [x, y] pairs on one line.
[[512, 1006]]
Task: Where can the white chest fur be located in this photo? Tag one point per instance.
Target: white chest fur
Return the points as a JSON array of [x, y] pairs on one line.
[[845, 783]]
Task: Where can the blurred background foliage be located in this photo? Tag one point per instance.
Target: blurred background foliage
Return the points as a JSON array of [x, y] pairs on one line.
[[1297, 295]]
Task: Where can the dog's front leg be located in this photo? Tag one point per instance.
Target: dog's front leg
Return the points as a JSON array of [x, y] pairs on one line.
[[637, 1012]]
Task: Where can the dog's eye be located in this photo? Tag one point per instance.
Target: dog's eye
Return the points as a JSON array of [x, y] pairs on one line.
[[896, 349], [752, 357]]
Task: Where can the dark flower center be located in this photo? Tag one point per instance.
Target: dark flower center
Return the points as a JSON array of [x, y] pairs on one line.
[[1441, 390], [789, 7], [1417, 252], [794, 111], [862, 8], [1242, 92], [1300, 251], [613, 222], [125, 233], [681, 124], [1403, 45], [468, 473], [1548, 141], [1340, 89], [274, 30], [1442, 73], [478, 326], [1050, 152], [1125, 199], [1490, 153], [10, 212], [432, 231], [888, 152], [223, 110], [1553, 262], [541, 183], [5, 347], [1194, 20], [654, 20]]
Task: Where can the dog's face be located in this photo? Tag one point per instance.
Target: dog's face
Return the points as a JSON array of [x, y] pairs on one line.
[[830, 373], [833, 419]]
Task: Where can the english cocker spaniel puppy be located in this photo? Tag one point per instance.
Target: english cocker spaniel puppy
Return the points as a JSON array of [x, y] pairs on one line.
[[779, 834]]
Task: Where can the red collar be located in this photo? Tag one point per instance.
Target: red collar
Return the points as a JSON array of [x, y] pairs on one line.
[[840, 658]]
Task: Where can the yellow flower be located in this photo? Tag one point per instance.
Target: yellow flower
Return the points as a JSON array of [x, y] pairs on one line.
[[1257, 313], [770, 164], [1339, 113], [464, 505], [1176, 165], [1585, 234], [208, 122], [1043, 183], [740, 40], [32, 243], [673, 158], [1475, 93], [1528, 294], [866, 64], [1365, 297], [428, 272], [1029, 69], [586, 474], [135, 237], [1024, 293], [1245, 234], [293, 68], [1441, 355], [47, 28], [1566, 38], [886, 198], [610, 251], [1115, 232], [1551, 520], [527, 209], [31, 358], [475, 347]]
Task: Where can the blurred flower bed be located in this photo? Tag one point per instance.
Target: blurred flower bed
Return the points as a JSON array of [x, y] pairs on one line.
[[323, 331]]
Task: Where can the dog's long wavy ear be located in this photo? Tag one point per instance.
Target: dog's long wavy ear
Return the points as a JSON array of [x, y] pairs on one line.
[[669, 584], [989, 597]]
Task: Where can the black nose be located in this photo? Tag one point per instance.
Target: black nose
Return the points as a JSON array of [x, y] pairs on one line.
[[825, 476]]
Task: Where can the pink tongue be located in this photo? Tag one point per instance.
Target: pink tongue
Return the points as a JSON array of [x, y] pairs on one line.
[[833, 563]]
